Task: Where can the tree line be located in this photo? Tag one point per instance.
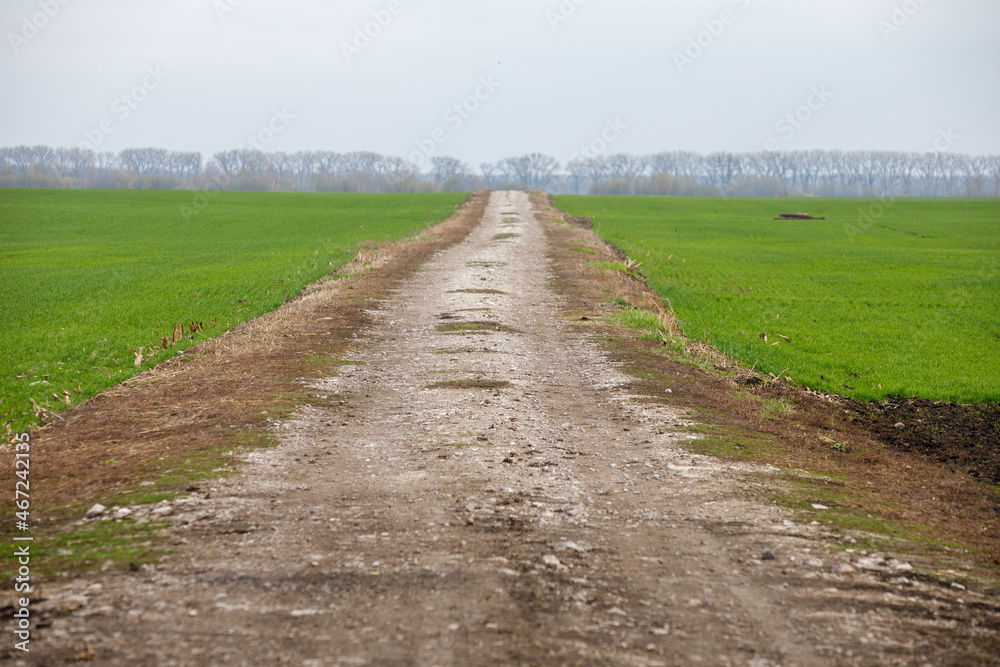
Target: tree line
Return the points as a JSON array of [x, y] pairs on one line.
[[826, 173]]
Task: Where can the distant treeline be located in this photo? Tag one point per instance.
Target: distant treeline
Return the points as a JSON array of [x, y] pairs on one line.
[[676, 173]]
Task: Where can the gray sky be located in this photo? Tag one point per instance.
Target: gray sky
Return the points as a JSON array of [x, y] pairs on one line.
[[648, 75]]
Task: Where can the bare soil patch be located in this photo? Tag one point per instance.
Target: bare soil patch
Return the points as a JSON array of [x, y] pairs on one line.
[[966, 437]]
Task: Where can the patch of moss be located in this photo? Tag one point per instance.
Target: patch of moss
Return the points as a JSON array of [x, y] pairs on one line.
[[471, 384], [125, 544], [457, 371], [476, 291], [473, 327], [735, 444], [171, 476]]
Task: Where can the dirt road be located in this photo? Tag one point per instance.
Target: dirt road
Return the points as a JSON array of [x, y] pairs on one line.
[[488, 494]]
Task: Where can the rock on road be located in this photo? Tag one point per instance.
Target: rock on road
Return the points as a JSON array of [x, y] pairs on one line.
[[489, 494]]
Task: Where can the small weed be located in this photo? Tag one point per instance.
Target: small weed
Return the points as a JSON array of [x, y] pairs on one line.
[[585, 251], [657, 324], [618, 267], [771, 408], [640, 319]]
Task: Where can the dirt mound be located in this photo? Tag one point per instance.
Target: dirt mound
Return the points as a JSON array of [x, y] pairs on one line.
[[964, 436], [797, 216]]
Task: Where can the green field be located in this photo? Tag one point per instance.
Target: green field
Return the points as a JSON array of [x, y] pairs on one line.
[[906, 303], [88, 277]]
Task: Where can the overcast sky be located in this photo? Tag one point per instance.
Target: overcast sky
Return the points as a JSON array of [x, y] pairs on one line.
[[550, 75]]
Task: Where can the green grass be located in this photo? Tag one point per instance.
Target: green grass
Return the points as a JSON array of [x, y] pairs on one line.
[[908, 304], [89, 277]]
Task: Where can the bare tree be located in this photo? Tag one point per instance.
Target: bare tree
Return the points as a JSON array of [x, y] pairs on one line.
[[722, 168], [809, 164], [21, 157], [145, 161], [626, 167], [490, 172], [445, 167], [993, 170], [578, 171], [884, 173]]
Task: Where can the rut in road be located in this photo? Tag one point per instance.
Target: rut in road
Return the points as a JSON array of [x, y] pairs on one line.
[[489, 493]]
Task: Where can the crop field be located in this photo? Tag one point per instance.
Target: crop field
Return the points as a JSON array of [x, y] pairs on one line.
[[906, 303], [92, 281]]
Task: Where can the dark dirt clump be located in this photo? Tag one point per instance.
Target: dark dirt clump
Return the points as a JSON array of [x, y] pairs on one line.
[[966, 437]]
